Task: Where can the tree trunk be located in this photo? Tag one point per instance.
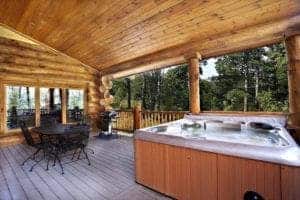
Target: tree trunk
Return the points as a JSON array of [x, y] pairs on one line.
[[158, 91], [144, 92], [256, 87], [128, 87], [28, 97], [246, 92], [20, 90]]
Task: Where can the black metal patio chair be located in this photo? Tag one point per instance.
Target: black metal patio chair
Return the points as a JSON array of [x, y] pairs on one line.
[[79, 141], [38, 145]]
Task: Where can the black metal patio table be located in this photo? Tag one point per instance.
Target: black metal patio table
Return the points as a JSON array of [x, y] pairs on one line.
[[59, 138]]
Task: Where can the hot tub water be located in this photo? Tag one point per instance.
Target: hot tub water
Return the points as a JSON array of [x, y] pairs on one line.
[[218, 129]]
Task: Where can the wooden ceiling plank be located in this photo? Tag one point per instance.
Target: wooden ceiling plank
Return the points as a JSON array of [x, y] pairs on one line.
[[30, 16], [154, 41], [228, 43], [77, 17], [141, 15], [12, 11], [116, 26], [171, 16], [80, 30], [166, 34], [178, 10], [105, 33], [159, 44]]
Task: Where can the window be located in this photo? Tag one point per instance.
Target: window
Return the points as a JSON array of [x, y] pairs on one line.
[[50, 103], [20, 105], [75, 105]]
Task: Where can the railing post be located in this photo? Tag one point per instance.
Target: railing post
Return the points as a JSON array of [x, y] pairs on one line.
[[137, 117], [2, 108], [64, 106], [37, 107]]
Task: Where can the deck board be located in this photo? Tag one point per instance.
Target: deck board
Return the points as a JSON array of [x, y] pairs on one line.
[[46, 177], [111, 175]]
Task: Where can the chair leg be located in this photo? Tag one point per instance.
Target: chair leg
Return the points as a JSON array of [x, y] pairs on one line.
[[32, 156], [74, 153], [86, 156], [61, 166], [48, 160], [90, 150], [78, 157], [37, 162], [54, 162]]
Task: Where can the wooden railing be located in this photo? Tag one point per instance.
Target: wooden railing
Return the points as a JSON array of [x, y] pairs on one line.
[[129, 120], [152, 118], [124, 121]]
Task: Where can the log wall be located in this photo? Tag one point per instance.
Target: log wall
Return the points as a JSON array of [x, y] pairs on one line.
[[26, 64]]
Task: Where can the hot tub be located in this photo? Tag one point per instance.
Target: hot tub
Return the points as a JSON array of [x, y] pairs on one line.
[[232, 147], [230, 135]]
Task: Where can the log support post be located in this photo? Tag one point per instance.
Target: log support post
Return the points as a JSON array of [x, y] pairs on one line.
[[85, 100], [194, 80], [64, 106], [2, 108], [137, 117], [293, 51], [37, 107]]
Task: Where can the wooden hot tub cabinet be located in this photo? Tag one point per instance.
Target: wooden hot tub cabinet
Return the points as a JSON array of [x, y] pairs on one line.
[[189, 174]]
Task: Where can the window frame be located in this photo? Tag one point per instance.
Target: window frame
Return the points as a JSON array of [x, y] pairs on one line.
[[3, 90]]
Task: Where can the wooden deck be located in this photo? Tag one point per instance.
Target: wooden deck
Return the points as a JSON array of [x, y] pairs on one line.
[[111, 175]]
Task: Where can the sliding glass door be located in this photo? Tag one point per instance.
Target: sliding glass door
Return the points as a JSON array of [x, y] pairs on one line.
[[75, 105], [50, 101]]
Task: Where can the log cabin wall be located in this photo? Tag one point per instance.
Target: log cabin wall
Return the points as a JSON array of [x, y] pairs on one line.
[[27, 64]]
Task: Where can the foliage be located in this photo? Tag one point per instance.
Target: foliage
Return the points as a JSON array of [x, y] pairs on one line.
[[253, 80], [75, 99], [268, 103], [175, 92], [234, 100], [19, 97], [119, 92]]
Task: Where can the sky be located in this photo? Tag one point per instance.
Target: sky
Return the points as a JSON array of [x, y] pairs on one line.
[[209, 70]]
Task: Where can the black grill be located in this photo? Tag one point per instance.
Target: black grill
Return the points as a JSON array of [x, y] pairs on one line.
[[105, 124]]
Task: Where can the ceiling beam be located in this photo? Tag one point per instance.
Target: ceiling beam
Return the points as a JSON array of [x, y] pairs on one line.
[[216, 45]]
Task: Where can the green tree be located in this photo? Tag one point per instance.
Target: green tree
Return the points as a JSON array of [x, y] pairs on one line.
[[119, 92], [253, 80], [175, 92]]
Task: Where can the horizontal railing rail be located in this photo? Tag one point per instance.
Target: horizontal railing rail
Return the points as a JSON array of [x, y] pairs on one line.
[[152, 118], [129, 120]]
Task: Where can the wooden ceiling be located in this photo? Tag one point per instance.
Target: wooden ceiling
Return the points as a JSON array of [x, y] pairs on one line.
[[112, 35]]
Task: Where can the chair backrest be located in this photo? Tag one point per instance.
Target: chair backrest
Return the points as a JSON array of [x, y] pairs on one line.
[[26, 133], [48, 121], [83, 131]]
